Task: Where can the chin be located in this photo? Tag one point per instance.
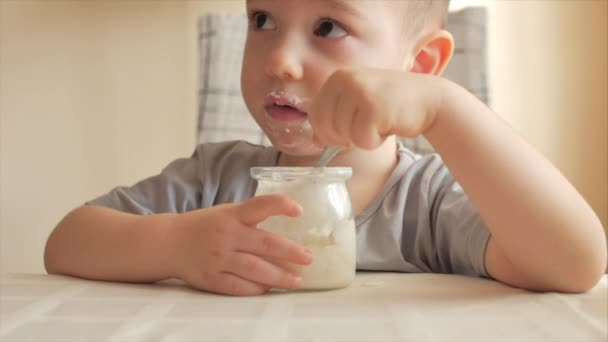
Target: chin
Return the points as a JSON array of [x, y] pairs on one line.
[[296, 146], [290, 138], [299, 151]]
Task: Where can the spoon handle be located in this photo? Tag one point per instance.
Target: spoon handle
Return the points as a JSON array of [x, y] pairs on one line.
[[328, 153]]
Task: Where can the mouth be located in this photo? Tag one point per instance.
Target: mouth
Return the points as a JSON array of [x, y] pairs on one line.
[[284, 109], [285, 113]]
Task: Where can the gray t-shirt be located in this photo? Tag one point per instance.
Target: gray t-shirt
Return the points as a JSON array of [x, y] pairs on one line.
[[421, 220]]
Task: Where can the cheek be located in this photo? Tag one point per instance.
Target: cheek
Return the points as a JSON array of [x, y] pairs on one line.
[[250, 74], [336, 54], [246, 90], [253, 55], [366, 54]]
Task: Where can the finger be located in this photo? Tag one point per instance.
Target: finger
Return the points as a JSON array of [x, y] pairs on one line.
[[346, 112], [258, 270], [233, 285], [259, 208], [323, 109], [364, 132], [335, 115], [267, 244]]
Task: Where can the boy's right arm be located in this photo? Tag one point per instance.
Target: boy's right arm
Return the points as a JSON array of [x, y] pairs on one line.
[[217, 249]]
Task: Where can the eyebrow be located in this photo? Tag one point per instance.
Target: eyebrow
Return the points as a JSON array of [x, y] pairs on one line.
[[343, 5], [337, 5]]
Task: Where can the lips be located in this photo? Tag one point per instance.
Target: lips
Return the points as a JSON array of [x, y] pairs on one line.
[[283, 108], [285, 113]]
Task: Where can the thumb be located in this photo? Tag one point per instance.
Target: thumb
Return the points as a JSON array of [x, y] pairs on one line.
[[259, 208]]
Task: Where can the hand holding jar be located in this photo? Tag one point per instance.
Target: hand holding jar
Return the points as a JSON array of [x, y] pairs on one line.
[[219, 249]]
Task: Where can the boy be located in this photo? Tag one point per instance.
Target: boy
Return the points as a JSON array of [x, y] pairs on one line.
[[361, 72]]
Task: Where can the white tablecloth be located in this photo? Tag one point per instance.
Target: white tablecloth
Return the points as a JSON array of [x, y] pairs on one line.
[[376, 307]]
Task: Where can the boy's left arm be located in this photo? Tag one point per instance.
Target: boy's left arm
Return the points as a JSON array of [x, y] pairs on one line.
[[544, 234]]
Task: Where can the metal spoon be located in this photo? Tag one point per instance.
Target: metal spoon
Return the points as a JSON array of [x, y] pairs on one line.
[[328, 153]]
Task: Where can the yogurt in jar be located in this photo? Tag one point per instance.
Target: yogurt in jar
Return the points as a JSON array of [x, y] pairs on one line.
[[326, 225]]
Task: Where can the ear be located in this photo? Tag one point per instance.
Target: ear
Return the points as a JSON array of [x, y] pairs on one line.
[[433, 52]]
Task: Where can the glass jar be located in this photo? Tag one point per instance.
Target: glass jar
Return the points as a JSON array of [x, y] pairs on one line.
[[326, 226]]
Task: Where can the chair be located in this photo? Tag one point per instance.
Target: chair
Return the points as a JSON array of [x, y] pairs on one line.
[[222, 114]]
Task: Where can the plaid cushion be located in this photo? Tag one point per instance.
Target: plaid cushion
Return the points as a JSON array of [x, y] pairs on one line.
[[222, 114]]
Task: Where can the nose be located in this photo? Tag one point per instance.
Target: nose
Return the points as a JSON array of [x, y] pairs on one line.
[[284, 61]]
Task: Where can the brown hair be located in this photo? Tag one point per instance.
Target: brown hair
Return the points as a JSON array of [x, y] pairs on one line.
[[423, 15]]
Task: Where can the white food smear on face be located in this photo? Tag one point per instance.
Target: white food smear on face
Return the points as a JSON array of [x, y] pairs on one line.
[[289, 138], [306, 126], [294, 101], [327, 228]]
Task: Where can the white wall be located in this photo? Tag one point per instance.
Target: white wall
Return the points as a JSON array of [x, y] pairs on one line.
[[93, 94], [99, 93], [549, 76]]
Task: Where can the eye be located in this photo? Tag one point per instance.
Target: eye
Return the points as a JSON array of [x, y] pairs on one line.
[[328, 28], [261, 21]]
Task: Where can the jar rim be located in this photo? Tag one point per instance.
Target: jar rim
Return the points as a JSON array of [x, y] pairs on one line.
[[283, 173]]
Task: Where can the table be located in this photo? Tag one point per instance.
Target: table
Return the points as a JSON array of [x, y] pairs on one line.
[[376, 307]]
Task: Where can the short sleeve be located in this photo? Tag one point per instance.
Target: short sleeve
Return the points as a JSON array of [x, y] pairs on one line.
[[176, 189], [442, 230], [422, 221], [216, 173], [459, 235]]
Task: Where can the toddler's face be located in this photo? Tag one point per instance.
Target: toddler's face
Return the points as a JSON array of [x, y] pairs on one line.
[[292, 48]]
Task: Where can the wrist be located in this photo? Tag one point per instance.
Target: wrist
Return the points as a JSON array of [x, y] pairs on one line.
[[165, 242], [440, 106]]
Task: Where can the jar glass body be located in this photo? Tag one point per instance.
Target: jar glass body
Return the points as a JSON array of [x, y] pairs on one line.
[[326, 225]]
